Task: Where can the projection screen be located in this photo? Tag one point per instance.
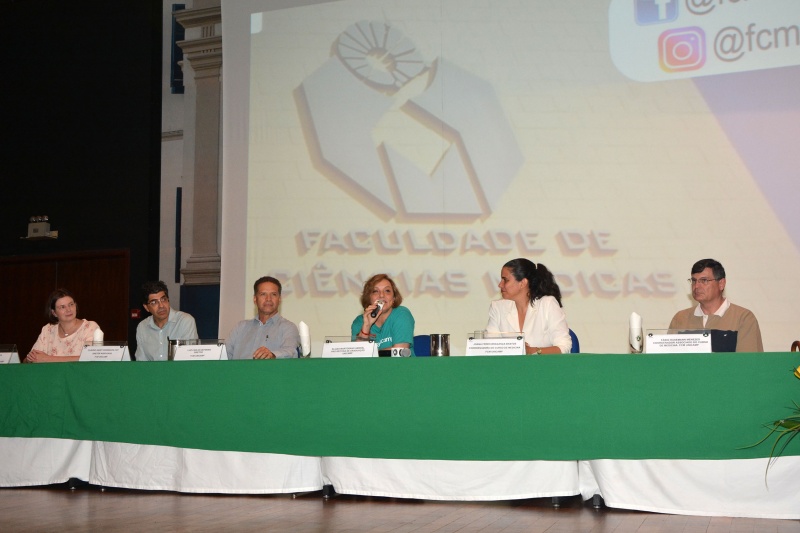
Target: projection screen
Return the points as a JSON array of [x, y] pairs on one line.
[[617, 142]]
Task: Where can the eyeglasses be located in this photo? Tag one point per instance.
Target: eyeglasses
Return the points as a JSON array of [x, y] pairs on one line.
[[701, 281], [155, 302]]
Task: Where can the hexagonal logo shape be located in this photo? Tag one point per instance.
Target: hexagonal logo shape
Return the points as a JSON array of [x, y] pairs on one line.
[[369, 74]]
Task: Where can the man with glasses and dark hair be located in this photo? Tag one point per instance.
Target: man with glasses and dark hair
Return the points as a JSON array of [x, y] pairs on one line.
[[268, 335], [164, 323], [714, 311]]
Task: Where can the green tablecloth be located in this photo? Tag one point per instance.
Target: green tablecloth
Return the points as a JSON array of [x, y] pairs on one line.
[[569, 407]]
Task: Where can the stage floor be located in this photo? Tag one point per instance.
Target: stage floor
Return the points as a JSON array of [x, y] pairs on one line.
[[87, 508]]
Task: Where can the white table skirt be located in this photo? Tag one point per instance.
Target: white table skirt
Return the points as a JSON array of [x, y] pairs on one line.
[[705, 488], [136, 466], [451, 480], [29, 462]]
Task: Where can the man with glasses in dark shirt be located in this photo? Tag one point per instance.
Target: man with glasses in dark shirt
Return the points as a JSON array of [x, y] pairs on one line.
[[164, 323], [714, 311]]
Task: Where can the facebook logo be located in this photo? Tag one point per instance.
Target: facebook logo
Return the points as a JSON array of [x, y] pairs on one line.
[[655, 11]]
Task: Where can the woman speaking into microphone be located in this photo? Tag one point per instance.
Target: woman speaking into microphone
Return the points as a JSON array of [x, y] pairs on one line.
[[384, 320]]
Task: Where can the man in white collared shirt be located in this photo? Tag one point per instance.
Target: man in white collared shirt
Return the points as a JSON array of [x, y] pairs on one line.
[[714, 311]]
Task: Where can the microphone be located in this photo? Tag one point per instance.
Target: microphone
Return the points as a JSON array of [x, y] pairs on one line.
[[401, 352], [305, 339], [635, 333], [375, 312]]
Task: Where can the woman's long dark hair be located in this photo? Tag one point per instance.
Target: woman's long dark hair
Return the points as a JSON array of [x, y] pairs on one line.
[[541, 281]]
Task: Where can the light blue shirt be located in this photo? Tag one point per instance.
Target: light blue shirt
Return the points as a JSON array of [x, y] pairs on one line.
[[279, 335], [152, 342]]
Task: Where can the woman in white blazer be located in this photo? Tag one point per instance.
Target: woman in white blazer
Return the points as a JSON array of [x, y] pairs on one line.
[[531, 304]]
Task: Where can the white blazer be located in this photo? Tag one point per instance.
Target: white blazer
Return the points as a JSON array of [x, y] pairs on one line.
[[545, 322]]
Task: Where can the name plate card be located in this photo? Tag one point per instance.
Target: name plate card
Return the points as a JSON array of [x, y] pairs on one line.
[[105, 353], [678, 343], [200, 352], [9, 358], [498, 346], [350, 349]]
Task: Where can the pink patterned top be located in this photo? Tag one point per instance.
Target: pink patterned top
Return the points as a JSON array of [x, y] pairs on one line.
[[51, 343]]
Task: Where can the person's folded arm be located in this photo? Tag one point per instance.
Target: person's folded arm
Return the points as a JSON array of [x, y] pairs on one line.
[[493, 325], [291, 340], [403, 335], [748, 338], [185, 328], [557, 326]]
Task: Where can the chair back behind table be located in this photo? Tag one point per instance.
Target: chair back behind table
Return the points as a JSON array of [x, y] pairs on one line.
[[422, 345], [576, 345]]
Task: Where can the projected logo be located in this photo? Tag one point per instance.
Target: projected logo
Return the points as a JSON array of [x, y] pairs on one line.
[[374, 71], [655, 11], [712, 37], [682, 49]]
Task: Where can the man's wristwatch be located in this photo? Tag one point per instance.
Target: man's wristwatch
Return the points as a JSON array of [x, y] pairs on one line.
[[538, 351]]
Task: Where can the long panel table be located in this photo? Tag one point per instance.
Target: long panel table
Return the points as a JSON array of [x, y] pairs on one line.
[[435, 424]]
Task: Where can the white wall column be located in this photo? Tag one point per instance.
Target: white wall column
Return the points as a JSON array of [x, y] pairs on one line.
[[202, 66]]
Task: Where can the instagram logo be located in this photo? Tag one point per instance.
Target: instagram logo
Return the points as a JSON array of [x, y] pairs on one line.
[[682, 49]]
